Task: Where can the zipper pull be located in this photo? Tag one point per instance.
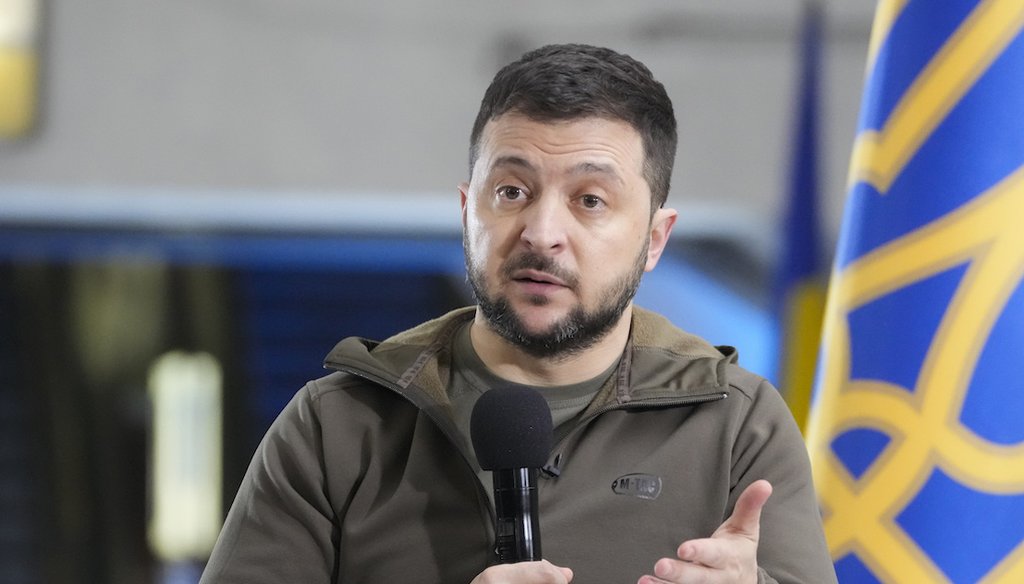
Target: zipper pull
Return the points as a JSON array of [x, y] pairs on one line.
[[553, 470]]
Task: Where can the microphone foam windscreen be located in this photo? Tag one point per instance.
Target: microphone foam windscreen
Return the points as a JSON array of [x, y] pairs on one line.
[[511, 428]]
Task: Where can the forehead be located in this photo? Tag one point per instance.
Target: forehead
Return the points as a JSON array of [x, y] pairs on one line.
[[550, 145]]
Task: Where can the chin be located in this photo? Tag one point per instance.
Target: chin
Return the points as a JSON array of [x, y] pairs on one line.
[[539, 328], [541, 320]]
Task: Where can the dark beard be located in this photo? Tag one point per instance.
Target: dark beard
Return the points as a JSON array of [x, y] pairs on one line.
[[570, 335]]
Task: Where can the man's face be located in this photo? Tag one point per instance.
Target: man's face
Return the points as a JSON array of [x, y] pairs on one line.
[[558, 229]]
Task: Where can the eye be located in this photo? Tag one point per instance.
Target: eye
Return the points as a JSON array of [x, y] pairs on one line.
[[591, 201], [510, 193]]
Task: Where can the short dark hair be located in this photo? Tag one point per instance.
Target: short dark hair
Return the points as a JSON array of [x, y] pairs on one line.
[[570, 81]]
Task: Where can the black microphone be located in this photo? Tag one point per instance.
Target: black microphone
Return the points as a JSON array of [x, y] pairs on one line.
[[512, 435]]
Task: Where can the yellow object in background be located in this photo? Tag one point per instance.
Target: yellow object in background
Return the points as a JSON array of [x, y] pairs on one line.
[[185, 390], [19, 66]]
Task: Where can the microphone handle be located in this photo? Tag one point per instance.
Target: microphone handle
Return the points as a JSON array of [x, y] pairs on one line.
[[517, 532]]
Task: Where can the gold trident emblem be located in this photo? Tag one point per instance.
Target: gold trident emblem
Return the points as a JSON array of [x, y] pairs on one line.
[[924, 423]]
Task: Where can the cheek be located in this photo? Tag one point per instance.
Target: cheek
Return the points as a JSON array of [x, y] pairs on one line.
[[480, 241], [610, 261], [479, 236], [474, 228], [616, 248], [490, 237]]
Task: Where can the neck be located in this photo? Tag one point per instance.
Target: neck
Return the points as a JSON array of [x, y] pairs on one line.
[[510, 362]]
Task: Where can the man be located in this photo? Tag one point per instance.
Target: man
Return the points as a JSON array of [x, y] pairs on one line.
[[368, 475]]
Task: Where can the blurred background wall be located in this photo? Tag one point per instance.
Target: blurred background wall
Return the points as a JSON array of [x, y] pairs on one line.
[[253, 180]]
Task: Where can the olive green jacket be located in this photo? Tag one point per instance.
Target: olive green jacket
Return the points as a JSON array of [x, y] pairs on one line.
[[364, 477]]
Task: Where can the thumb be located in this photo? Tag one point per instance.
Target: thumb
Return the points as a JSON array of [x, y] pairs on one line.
[[746, 516]]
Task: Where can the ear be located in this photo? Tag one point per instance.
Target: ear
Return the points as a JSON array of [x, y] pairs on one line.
[[463, 196], [661, 228]]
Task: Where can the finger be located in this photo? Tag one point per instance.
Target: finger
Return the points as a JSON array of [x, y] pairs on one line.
[[714, 553], [667, 571], [541, 572], [546, 572], [652, 579], [746, 516]]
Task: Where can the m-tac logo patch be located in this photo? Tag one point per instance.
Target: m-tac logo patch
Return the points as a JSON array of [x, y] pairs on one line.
[[643, 486]]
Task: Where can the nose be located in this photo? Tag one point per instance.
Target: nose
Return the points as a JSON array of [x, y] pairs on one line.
[[545, 224]]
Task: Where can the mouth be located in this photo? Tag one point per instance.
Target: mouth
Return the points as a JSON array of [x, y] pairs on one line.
[[537, 277]]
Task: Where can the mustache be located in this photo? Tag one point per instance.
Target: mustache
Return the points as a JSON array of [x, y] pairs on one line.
[[540, 263]]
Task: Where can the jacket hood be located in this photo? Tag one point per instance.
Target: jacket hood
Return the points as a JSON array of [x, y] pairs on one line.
[[660, 361]]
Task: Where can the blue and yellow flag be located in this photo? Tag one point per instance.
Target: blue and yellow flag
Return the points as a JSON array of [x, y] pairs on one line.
[[917, 431], [800, 284]]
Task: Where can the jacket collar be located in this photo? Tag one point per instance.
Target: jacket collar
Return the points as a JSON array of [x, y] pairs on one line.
[[660, 361]]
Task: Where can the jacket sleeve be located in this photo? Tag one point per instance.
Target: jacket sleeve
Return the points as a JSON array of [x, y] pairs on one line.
[[281, 526], [769, 445]]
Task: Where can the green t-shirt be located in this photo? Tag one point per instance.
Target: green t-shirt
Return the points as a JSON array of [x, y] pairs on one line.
[[471, 378]]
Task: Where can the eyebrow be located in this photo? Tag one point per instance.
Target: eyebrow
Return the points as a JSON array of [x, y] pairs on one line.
[[509, 160], [586, 167], [597, 168]]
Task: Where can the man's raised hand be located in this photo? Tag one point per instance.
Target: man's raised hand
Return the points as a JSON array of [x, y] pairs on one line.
[[729, 556]]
